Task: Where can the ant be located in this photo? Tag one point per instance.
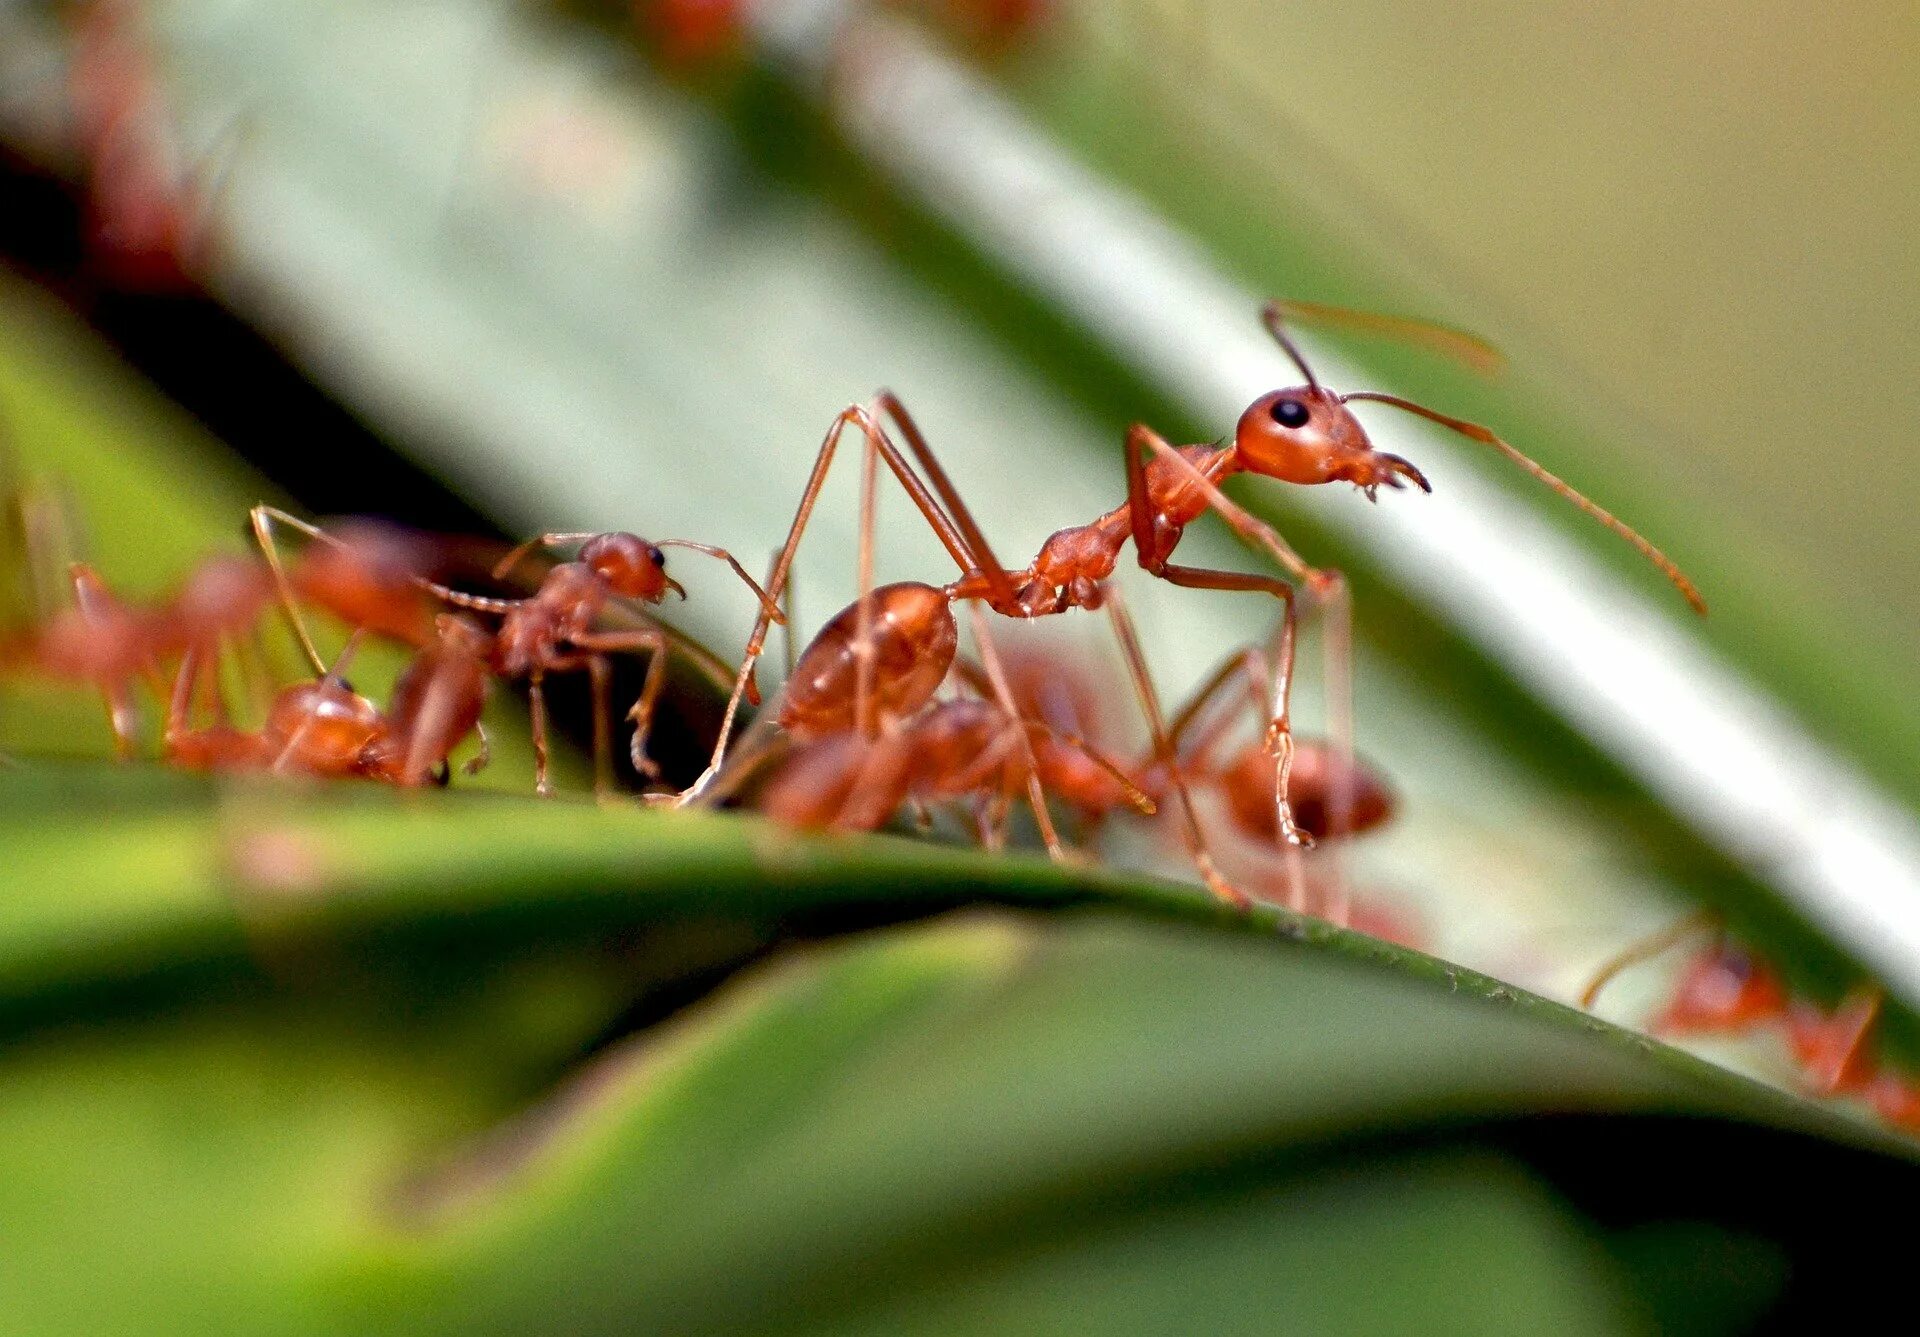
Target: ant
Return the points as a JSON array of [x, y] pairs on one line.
[[1334, 795], [146, 223], [101, 641], [1305, 434], [1723, 989], [325, 728], [554, 631], [853, 776], [696, 33]]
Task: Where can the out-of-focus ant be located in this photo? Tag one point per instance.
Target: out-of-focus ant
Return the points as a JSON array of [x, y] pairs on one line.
[[146, 220], [324, 728], [693, 34], [850, 773], [1724, 990]]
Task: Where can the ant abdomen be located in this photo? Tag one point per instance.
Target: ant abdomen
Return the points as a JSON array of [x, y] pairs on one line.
[[1313, 787], [914, 638]]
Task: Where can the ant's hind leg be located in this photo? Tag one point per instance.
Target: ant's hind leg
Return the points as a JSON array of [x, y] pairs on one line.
[[1003, 695]]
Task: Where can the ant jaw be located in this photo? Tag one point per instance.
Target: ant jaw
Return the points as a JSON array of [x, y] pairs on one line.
[[1377, 469], [1398, 469], [676, 587]]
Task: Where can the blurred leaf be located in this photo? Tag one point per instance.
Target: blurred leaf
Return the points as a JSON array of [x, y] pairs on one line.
[[259, 1036]]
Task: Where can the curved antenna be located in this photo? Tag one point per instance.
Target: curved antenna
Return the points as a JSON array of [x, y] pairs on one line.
[[1634, 953], [774, 612], [1475, 432], [1469, 350], [1274, 316], [263, 518]]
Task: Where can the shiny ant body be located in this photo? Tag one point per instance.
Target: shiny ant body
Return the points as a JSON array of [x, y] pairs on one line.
[[1306, 434]]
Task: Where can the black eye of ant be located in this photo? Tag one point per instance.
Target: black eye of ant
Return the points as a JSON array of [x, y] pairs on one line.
[[657, 557], [1290, 413]]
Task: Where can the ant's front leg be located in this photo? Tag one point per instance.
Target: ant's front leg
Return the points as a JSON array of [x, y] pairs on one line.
[[654, 644]]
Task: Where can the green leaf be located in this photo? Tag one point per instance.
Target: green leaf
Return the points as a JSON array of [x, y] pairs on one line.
[[325, 1062]]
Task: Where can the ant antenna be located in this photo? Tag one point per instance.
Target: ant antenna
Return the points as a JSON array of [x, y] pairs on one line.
[[1469, 350], [1274, 316], [263, 518], [1475, 432], [773, 610], [1644, 950]]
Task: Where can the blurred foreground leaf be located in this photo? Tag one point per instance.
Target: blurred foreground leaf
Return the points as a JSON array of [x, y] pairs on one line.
[[325, 1061]]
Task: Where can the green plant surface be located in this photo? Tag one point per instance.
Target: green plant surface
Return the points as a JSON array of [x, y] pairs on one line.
[[319, 1061]]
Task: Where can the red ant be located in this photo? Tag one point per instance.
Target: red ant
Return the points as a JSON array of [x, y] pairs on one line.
[[1306, 434], [555, 631], [103, 642], [694, 33], [854, 776], [145, 224], [325, 728], [1723, 989]]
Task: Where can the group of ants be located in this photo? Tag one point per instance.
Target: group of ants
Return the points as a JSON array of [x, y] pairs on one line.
[[880, 715]]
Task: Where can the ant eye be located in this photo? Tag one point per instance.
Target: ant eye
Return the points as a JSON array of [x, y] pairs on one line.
[[657, 557], [1290, 413]]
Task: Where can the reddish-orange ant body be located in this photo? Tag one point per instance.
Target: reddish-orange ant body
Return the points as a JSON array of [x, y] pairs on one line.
[[145, 223], [99, 641], [1723, 989], [1306, 435], [555, 630], [854, 768]]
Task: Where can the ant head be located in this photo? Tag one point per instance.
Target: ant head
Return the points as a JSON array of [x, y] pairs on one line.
[[1308, 435], [632, 567]]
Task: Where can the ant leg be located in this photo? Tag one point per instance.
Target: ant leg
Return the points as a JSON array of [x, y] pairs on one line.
[[1196, 840], [979, 551], [863, 648], [1280, 723], [600, 672], [654, 645], [990, 660], [537, 708], [481, 759], [943, 528], [89, 594], [789, 645]]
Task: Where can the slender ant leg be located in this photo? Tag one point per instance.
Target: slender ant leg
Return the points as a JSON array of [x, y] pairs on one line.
[[856, 415], [1124, 632], [990, 661], [537, 709]]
